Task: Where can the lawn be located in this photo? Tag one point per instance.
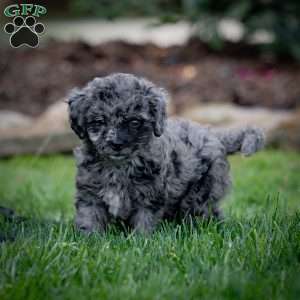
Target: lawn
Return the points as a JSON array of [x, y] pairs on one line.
[[253, 254]]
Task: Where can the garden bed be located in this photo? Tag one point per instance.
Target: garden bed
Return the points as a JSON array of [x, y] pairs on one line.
[[32, 79]]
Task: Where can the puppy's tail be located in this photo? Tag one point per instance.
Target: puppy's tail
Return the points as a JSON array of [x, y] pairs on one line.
[[247, 140]]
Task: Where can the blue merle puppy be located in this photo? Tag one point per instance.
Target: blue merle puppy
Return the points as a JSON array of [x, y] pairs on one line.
[[137, 166]]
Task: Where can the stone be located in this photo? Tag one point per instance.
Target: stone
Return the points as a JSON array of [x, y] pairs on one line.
[[282, 128], [287, 134], [12, 119], [49, 133], [229, 115]]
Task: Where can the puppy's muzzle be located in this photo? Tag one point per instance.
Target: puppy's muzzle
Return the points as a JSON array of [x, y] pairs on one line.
[[113, 142], [115, 145]]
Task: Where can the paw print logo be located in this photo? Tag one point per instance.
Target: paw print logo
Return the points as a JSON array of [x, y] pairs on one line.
[[24, 31]]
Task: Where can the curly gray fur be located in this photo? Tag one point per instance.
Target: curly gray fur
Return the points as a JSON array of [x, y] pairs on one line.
[[138, 166]]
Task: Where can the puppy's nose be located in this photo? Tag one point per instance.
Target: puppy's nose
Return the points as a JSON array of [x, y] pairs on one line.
[[115, 145]]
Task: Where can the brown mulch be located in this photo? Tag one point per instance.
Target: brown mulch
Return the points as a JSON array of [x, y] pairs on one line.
[[32, 79]]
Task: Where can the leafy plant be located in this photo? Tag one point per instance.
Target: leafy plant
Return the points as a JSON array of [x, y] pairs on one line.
[[279, 18]]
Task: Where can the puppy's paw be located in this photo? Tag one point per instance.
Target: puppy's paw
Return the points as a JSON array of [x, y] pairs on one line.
[[87, 227], [143, 222], [254, 140]]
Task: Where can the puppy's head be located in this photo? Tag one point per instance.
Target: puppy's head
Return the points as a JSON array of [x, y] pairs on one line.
[[119, 114]]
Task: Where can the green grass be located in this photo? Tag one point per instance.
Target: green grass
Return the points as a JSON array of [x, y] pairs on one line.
[[254, 254]]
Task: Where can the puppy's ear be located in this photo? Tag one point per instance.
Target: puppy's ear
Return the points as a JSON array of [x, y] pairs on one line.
[[76, 102], [158, 111]]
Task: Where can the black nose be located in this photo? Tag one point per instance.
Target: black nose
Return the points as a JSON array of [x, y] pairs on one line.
[[115, 145]]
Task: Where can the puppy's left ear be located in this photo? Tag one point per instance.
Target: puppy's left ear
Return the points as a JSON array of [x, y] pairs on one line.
[[76, 102], [158, 111]]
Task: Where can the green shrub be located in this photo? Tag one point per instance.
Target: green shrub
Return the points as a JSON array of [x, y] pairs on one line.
[[280, 18], [125, 8]]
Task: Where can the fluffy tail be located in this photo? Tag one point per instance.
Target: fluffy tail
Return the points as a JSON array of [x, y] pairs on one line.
[[246, 140]]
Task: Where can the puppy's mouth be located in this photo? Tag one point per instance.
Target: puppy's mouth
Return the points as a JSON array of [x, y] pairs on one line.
[[117, 157], [123, 155]]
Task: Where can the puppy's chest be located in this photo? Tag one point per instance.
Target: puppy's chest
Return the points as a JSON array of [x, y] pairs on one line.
[[122, 188], [114, 190]]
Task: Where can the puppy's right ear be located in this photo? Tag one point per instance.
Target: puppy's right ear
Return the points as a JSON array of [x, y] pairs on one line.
[[76, 102], [158, 111]]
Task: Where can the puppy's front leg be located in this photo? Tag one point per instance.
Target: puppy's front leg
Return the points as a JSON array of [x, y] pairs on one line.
[[90, 217], [144, 221]]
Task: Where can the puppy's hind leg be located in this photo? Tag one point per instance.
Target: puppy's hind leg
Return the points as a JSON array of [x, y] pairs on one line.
[[216, 184], [204, 196]]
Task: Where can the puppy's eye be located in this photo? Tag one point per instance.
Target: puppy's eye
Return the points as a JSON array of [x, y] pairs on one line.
[[135, 123]]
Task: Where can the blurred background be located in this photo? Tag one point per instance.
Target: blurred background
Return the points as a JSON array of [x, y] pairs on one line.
[[225, 63]]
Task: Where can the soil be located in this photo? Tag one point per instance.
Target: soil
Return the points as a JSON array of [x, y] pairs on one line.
[[32, 79]]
